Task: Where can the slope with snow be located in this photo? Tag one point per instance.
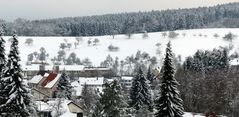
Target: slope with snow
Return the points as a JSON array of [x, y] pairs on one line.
[[182, 45]]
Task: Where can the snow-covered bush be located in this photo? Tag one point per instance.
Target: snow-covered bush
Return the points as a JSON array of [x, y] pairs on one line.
[[113, 48], [172, 35]]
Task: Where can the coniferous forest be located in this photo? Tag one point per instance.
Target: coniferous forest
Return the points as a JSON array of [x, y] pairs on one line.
[[226, 15]]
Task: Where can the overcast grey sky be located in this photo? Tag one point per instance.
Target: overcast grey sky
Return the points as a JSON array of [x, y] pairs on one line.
[[42, 9]]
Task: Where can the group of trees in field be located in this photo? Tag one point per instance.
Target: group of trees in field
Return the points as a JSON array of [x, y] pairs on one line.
[[140, 102], [15, 99], [128, 23], [129, 65]]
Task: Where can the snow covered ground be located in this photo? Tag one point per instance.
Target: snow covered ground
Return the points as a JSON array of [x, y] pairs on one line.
[[186, 114], [182, 45]]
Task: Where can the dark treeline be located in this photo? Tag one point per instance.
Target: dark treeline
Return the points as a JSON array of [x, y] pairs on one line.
[[124, 23], [209, 84]]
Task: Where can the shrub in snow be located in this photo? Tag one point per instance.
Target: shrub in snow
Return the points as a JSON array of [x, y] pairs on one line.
[[164, 34], [96, 41], [215, 35], [113, 48], [69, 45], [172, 35], [229, 37], [29, 41], [63, 46]]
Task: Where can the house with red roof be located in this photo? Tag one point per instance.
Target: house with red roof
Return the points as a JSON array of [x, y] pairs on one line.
[[45, 86]]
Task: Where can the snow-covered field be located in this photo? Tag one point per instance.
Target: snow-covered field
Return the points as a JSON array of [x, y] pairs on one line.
[[182, 45]]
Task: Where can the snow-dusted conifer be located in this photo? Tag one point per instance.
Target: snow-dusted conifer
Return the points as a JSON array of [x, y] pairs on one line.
[[169, 104], [140, 93], [2, 65], [97, 111], [111, 100], [17, 99], [88, 99], [2, 53], [150, 76], [64, 88]]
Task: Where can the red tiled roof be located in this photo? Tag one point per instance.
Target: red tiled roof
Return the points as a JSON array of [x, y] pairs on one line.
[[50, 77]]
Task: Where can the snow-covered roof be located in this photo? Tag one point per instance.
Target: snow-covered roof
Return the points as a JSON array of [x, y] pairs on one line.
[[53, 82], [91, 80], [50, 107], [50, 67], [42, 106], [187, 114], [96, 68], [127, 78], [36, 79], [46, 74], [234, 62]]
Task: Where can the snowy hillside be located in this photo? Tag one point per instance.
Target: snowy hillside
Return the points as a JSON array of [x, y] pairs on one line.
[[183, 45]]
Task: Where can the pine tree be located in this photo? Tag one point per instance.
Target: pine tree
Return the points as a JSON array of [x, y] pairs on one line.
[[150, 76], [64, 88], [16, 94], [139, 93], [97, 111], [112, 100], [2, 65], [88, 98], [169, 104], [2, 53]]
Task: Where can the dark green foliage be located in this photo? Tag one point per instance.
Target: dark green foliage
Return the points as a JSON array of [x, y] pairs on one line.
[[150, 75], [97, 112], [210, 82], [43, 54], [129, 23], [88, 99], [229, 37], [111, 100], [140, 92], [206, 61], [169, 104], [16, 95], [2, 65], [2, 53], [64, 88]]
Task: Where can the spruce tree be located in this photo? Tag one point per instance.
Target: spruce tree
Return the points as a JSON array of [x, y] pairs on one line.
[[17, 99], [2, 66], [140, 93], [64, 88], [88, 98], [150, 75], [169, 104], [111, 100], [97, 111], [2, 53]]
